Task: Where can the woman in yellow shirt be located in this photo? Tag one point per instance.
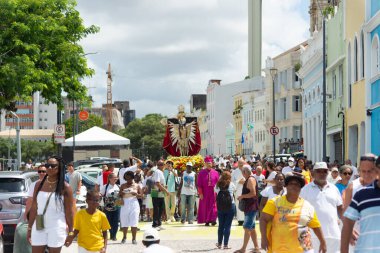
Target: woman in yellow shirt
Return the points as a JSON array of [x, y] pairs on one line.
[[285, 221], [301, 163]]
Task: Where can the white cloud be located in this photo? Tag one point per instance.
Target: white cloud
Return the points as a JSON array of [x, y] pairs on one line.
[[163, 51]]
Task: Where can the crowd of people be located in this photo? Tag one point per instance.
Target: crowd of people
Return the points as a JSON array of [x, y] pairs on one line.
[[300, 206]]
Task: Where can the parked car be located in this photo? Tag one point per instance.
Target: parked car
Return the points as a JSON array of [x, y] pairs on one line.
[[87, 181], [99, 166], [91, 171], [14, 186]]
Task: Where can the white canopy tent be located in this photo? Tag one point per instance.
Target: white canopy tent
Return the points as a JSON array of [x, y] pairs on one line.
[[96, 136]]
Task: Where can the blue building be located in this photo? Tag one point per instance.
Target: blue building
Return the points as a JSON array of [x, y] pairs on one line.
[[372, 28], [311, 76]]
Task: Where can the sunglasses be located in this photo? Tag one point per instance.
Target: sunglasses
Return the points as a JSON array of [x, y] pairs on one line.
[[41, 171], [367, 158], [347, 173], [51, 165]]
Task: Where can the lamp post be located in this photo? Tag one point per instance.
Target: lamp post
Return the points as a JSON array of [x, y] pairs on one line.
[[18, 141], [343, 133], [273, 73]]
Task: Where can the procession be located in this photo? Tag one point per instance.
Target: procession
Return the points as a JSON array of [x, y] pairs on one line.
[[189, 126]]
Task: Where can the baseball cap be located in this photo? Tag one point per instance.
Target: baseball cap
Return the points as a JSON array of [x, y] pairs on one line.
[[335, 169], [291, 159], [189, 164], [320, 166], [151, 235]]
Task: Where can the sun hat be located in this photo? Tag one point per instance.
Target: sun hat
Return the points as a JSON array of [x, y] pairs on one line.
[[320, 166]]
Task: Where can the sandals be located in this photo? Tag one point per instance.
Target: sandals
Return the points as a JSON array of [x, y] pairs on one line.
[[226, 247], [239, 251], [219, 246], [256, 250]]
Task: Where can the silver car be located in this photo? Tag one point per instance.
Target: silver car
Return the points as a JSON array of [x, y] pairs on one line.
[[14, 186]]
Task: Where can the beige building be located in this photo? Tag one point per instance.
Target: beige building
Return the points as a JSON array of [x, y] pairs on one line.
[[287, 101], [238, 122], [202, 124]]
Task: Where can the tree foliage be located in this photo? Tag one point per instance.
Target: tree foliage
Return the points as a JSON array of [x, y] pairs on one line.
[[39, 51], [146, 136], [93, 120], [35, 150]]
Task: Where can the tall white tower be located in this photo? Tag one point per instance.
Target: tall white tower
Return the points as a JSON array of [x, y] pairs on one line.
[[254, 37]]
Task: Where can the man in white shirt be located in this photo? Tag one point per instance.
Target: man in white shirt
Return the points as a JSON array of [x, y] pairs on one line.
[[151, 241], [326, 200], [289, 168], [238, 180], [158, 194], [127, 167]]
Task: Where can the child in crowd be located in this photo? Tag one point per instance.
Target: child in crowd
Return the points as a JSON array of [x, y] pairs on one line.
[[91, 225]]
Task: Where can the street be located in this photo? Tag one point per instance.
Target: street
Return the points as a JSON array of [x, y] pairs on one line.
[[179, 237]]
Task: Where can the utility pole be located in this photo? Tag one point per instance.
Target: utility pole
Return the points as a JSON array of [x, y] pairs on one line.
[[109, 98], [18, 141]]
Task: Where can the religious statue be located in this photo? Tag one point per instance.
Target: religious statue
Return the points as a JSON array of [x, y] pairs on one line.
[[182, 136]]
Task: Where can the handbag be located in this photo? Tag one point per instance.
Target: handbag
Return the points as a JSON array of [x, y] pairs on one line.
[[40, 224], [242, 205]]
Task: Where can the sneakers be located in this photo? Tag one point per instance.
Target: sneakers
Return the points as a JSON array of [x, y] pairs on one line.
[[124, 240], [190, 222], [159, 228], [173, 219], [182, 221], [134, 242]]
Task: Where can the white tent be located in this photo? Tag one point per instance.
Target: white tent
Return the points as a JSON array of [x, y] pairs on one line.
[[96, 136]]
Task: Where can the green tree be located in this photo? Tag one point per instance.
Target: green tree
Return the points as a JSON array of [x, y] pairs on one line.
[[39, 51], [93, 120], [146, 136]]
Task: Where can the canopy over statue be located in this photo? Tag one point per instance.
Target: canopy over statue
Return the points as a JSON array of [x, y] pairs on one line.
[[182, 137]]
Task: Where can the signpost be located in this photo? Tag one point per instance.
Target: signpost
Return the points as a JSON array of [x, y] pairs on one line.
[[274, 130], [59, 133], [83, 115]]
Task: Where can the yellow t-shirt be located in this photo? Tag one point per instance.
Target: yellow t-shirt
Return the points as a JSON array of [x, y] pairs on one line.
[[307, 175], [90, 229], [289, 228]]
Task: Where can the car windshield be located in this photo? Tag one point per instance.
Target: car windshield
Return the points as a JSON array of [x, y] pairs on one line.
[[12, 185]]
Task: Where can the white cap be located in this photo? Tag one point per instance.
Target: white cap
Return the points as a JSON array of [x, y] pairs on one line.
[[320, 165], [151, 235], [335, 169], [189, 164], [291, 159]]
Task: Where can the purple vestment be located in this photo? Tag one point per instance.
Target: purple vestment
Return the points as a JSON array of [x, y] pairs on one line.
[[207, 180]]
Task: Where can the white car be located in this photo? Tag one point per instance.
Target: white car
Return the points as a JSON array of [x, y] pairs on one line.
[[93, 172]]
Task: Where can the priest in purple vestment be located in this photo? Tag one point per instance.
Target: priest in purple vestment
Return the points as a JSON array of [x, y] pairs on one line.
[[207, 179]]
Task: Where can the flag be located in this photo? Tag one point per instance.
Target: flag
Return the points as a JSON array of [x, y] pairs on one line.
[[242, 138]]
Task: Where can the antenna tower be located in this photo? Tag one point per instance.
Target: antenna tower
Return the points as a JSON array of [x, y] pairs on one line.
[[109, 98]]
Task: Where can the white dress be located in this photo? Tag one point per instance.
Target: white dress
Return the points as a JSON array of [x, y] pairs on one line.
[[54, 234], [130, 211]]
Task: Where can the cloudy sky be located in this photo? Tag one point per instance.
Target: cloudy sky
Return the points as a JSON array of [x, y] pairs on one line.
[[162, 51]]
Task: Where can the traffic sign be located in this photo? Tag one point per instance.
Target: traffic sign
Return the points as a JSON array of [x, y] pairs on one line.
[[274, 130], [83, 115], [59, 133]]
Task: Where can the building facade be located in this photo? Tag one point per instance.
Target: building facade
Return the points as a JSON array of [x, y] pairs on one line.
[[311, 79], [220, 109], [372, 68], [288, 108], [355, 102], [335, 80]]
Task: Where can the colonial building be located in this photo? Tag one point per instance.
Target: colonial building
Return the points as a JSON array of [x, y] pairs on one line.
[[311, 76], [372, 73], [287, 99], [355, 104]]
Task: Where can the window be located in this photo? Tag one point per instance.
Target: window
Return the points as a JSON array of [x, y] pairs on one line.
[[296, 104], [362, 53], [334, 85], [349, 79], [284, 108], [340, 93], [356, 60], [375, 56]]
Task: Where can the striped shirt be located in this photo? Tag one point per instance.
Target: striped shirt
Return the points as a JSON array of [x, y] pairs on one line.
[[365, 206]]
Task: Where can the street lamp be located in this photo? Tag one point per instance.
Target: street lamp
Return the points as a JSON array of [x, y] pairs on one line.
[[17, 139], [273, 73]]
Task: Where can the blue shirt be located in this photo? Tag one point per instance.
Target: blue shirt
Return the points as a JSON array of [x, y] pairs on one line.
[[341, 187], [365, 206], [170, 180]]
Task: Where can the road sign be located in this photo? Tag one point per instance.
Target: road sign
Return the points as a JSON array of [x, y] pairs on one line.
[[83, 115], [274, 130], [59, 133]]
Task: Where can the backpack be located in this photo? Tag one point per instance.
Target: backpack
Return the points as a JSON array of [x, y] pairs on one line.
[[224, 200]]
